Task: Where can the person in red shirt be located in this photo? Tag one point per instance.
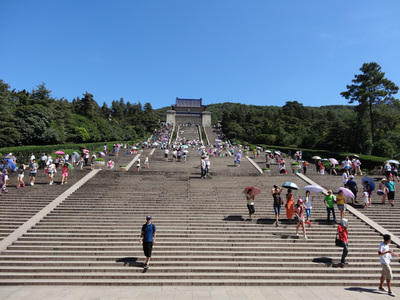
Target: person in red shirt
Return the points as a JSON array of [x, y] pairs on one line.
[[342, 232]]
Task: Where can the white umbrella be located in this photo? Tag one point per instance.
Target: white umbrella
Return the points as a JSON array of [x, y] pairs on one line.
[[315, 157], [392, 161], [346, 192], [334, 161], [267, 151], [313, 188]]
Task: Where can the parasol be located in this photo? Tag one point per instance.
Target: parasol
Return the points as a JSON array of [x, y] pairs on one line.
[[255, 190], [290, 185], [346, 192]]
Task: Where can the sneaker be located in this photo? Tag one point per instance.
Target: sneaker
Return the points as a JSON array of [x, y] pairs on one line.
[[31, 183], [146, 267], [390, 293], [62, 183], [306, 237], [18, 186], [297, 234], [50, 183], [23, 184], [382, 289]]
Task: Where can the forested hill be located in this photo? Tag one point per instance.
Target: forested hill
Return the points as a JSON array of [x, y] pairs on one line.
[[334, 127], [36, 118]]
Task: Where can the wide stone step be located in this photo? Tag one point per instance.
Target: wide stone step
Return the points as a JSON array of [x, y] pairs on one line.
[[196, 282]]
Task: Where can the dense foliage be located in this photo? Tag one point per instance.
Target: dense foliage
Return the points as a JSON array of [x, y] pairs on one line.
[[36, 118], [333, 128]]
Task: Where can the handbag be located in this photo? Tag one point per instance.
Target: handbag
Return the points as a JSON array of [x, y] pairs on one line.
[[338, 242]]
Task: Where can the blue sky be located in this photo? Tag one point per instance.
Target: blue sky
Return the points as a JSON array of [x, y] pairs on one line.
[[257, 52]]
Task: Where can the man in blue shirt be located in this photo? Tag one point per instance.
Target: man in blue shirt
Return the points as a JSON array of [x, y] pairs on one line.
[[148, 239], [352, 186]]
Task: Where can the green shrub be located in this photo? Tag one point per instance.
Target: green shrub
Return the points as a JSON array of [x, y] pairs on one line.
[[99, 159], [123, 166]]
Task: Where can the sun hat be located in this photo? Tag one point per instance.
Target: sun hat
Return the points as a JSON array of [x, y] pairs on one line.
[[330, 191], [343, 222], [300, 200]]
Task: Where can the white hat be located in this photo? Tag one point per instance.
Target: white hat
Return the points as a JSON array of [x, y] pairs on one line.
[[343, 222]]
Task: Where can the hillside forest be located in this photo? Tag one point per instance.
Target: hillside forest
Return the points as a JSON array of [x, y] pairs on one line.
[[371, 126]]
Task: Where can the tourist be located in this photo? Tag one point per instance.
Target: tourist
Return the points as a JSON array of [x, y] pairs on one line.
[[51, 169], [365, 199], [352, 186], [276, 194], [307, 200], [357, 165], [33, 171], [383, 190], [341, 201], [31, 158], [391, 190], [250, 202], [345, 177], [282, 168], [86, 157], [166, 151], [146, 162], [332, 168], [322, 168], [367, 188], [208, 166], [43, 160], [148, 239], [342, 231], [20, 176], [110, 164], [138, 164], [395, 172], [305, 165], [57, 161], [347, 165], [64, 176], [388, 170], [203, 166], [299, 212], [385, 256], [289, 205], [2, 181], [329, 199], [81, 161]]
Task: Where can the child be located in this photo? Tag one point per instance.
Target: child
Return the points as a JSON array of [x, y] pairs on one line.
[[365, 199], [299, 212], [146, 162], [64, 175]]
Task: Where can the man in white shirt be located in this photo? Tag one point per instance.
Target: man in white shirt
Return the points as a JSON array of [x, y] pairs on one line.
[[385, 255]]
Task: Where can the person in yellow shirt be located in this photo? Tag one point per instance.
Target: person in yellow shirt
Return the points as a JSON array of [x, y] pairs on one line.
[[341, 201]]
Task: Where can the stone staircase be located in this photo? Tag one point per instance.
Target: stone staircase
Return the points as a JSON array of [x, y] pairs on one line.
[[92, 237]]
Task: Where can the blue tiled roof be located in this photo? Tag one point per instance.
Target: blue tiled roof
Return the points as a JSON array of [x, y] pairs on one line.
[[189, 102]]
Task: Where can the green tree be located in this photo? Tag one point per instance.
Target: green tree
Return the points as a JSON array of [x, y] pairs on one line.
[[368, 89], [9, 135]]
